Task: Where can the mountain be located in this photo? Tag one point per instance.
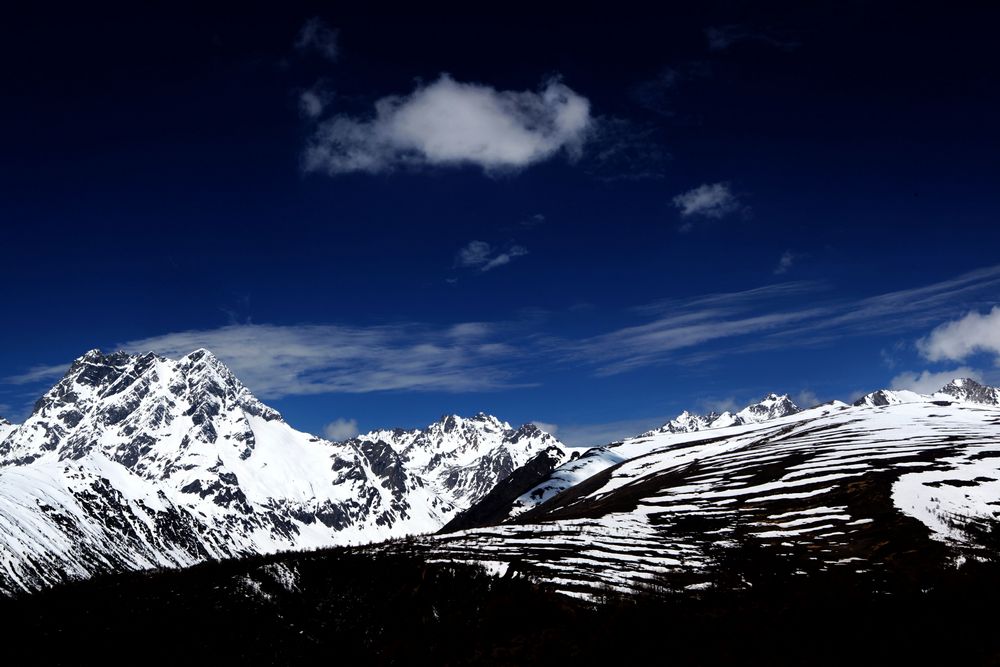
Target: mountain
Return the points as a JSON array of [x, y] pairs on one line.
[[889, 491], [965, 390], [596, 459], [970, 391], [771, 406], [138, 461], [460, 459]]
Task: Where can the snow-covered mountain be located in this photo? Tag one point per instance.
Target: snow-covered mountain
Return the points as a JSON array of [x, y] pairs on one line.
[[965, 390], [460, 459], [138, 461], [771, 406], [891, 489]]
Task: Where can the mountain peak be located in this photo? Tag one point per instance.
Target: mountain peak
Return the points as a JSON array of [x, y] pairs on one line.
[[771, 406], [967, 389]]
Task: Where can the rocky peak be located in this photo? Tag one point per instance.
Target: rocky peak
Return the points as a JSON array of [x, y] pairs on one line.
[[967, 389], [878, 398], [771, 406]]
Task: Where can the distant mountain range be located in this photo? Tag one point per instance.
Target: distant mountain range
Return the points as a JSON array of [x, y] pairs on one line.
[[133, 462]]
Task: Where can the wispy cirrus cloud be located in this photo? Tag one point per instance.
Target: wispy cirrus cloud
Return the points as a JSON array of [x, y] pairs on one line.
[[39, 373], [773, 317], [276, 361], [286, 360], [448, 123]]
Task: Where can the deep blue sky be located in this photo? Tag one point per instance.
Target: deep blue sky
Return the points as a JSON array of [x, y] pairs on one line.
[[153, 184]]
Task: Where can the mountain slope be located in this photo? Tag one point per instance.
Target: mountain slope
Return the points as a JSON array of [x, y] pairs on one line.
[[136, 461], [890, 490]]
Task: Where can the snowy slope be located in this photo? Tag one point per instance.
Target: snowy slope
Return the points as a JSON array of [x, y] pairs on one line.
[[867, 488], [138, 461], [596, 459]]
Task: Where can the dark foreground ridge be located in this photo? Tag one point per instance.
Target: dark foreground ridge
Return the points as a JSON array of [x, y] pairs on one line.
[[389, 608]]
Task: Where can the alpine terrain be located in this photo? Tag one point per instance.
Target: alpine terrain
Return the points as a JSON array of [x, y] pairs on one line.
[[896, 485], [138, 461]]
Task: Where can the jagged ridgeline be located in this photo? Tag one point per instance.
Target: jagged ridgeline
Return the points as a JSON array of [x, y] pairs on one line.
[[138, 461]]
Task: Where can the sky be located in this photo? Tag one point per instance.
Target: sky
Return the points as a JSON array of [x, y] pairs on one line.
[[590, 219]]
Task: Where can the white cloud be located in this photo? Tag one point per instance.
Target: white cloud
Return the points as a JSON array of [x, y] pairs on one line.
[[962, 338], [275, 361], [449, 123], [311, 104], [928, 382], [316, 36], [714, 200], [476, 253], [481, 255], [784, 263], [341, 429], [551, 429], [806, 399]]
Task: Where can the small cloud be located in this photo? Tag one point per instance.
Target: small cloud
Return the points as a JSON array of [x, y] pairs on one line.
[[957, 340], [551, 429], [714, 200], [806, 399], [928, 382], [722, 37], [316, 36], [448, 123], [476, 253], [481, 255], [785, 262], [505, 257], [313, 102], [310, 105], [341, 429], [533, 221]]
